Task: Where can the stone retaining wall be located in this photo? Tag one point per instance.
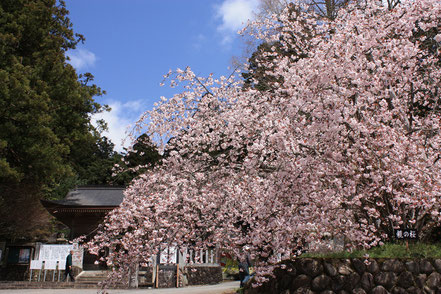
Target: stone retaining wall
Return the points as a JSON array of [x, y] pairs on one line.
[[360, 276], [203, 275]]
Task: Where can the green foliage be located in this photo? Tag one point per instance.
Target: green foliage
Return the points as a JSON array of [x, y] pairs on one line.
[[60, 189], [231, 267], [143, 156], [388, 250], [257, 76], [45, 109], [94, 161]]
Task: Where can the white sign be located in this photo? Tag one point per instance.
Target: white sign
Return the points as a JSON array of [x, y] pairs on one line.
[[62, 264], [36, 264], [56, 252], [77, 257], [50, 264]]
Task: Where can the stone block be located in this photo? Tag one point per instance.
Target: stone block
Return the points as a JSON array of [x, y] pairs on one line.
[[352, 281], [338, 282], [406, 280], [285, 281], [386, 279], [345, 269], [321, 283], [330, 270], [392, 265], [359, 266], [303, 291], [413, 266], [427, 290], [301, 281], [434, 281], [421, 280], [373, 267], [426, 267], [379, 290], [310, 267], [415, 290], [367, 281], [437, 264], [399, 290]]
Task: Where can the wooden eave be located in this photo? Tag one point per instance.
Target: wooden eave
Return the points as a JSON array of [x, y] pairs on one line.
[[55, 208]]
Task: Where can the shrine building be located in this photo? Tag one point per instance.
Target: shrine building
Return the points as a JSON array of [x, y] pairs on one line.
[[82, 210]]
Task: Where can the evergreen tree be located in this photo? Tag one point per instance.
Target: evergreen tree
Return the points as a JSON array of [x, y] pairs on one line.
[[141, 157], [45, 111]]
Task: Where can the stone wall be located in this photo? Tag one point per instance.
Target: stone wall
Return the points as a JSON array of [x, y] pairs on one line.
[[191, 275], [203, 275], [370, 276], [14, 272], [167, 276]]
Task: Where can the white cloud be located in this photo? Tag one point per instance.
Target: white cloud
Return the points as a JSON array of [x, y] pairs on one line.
[[234, 15], [119, 120], [81, 58], [198, 42]]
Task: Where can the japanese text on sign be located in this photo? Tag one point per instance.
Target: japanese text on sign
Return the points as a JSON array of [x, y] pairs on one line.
[[406, 234]]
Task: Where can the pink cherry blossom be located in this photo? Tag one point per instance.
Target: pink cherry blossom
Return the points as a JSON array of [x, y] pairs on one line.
[[347, 144]]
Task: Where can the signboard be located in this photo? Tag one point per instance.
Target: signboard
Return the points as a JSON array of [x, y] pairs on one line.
[[77, 256], [19, 255], [406, 234], [24, 255], [54, 252], [60, 252]]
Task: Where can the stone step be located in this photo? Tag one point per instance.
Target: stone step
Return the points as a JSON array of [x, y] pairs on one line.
[[90, 279], [45, 285]]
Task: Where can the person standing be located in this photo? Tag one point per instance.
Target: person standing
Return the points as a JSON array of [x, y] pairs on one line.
[[244, 271], [68, 269]]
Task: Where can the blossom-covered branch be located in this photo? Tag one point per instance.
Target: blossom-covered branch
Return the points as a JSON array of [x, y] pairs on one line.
[[345, 142]]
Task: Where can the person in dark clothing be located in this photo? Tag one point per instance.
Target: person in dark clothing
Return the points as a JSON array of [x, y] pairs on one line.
[[244, 271], [68, 270]]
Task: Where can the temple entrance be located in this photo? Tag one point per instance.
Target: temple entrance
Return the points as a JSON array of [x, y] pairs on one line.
[[93, 263]]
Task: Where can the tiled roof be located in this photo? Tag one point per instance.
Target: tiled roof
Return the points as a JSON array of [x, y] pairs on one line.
[[90, 196]]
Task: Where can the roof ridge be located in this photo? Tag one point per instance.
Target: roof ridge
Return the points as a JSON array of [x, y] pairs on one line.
[[97, 187]]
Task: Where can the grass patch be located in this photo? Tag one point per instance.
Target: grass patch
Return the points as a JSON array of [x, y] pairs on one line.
[[389, 250]]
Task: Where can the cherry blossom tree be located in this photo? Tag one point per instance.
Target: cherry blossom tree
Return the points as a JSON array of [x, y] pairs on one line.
[[323, 8], [346, 143]]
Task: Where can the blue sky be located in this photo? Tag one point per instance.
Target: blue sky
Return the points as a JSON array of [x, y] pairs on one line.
[[130, 45]]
